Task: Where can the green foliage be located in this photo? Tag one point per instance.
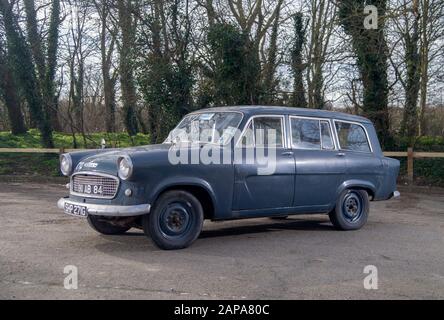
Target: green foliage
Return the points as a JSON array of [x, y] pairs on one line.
[[236, 74], [166, 89], [31, 139], [26, 164], [425, 144], [427, 171]]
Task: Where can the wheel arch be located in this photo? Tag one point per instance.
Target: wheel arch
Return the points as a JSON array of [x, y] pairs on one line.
[[358, 184], [199, 188]]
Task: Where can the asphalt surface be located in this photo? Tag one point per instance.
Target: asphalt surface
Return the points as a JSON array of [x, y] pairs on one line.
[[300, 258]]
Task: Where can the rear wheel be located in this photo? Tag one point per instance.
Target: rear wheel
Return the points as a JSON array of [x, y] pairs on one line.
[[107, 226], [175, 221], [351, 210]]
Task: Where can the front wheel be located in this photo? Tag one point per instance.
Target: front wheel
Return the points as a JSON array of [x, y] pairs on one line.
[[107, 226], [175, 221], [351, 210]]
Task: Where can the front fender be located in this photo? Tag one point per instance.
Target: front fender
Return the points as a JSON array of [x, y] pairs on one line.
[[182, 181]]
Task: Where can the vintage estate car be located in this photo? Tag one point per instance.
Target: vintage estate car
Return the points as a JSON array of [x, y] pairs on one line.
[[277, 161]]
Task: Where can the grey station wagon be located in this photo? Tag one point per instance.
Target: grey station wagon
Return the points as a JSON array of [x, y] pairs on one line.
[[232, 163]]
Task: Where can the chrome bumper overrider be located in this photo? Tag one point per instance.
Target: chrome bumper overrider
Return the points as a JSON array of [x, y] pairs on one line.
[[395, 194], [108, 210]]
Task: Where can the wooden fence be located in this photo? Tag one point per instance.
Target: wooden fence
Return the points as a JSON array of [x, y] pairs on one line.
[[410, 154]]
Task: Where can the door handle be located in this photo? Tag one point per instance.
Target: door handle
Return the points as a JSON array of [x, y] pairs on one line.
[[340, 154], [287, 153]]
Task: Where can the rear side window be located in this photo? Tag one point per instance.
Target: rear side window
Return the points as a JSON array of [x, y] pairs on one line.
[[326, 136], [305, 133], [352, 137], [264, 132], [311, 134], [268, 132]]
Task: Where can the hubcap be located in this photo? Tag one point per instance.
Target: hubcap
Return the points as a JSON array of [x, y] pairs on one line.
[[352, 207], [175, 219]]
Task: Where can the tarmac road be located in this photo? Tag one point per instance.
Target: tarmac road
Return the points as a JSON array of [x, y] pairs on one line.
[[299, 258]]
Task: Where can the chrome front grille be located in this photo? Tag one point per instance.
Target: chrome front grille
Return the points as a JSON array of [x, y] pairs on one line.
[[108, 184]]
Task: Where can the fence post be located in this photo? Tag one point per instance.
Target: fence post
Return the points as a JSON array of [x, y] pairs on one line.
[[61, 150], [410, 164]]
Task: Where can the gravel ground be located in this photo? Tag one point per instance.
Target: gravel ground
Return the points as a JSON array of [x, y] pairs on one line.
[[300, 258]]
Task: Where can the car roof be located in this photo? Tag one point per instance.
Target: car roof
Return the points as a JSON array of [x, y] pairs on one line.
[[258, 110]]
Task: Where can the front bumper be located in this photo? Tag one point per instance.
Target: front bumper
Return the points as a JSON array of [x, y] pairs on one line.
[[108, 210]]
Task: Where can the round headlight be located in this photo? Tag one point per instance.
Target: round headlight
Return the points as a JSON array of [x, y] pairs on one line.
[[65, 164], [125, 167]]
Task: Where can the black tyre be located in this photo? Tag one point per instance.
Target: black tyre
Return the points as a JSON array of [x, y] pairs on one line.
[[175, 220], [279, 218], [107, 226], [351, 210]]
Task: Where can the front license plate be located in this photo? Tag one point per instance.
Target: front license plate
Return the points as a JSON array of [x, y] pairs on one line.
[[75, 210], [92, 189]]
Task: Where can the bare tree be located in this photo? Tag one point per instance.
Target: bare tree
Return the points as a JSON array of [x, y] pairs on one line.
[[107, 47], [78, 50], [322, 21], [431, 47]]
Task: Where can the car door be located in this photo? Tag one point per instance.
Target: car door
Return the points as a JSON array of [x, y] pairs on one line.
[[320, 167], [264, 166]]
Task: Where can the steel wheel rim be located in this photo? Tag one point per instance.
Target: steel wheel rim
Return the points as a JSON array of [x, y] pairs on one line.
[[175, 219], [352, 207]]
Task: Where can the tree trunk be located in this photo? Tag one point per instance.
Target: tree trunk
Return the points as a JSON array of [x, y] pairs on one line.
[[297, 66], [10, 97], [45, 67], [34, 39], [270, 66], [108, 81], [424, 75], [409, 126], [49, 95], [126, 69]]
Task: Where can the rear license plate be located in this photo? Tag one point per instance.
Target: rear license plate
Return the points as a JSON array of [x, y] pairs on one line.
[[76, 210], [93, 189]]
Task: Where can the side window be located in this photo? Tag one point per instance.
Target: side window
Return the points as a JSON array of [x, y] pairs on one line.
[[352, 137], [264, 132], [248, 138], [327, 139], [305, 133], [268, 132]]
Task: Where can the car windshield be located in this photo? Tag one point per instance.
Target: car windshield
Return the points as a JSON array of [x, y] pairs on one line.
[[208, 127]]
